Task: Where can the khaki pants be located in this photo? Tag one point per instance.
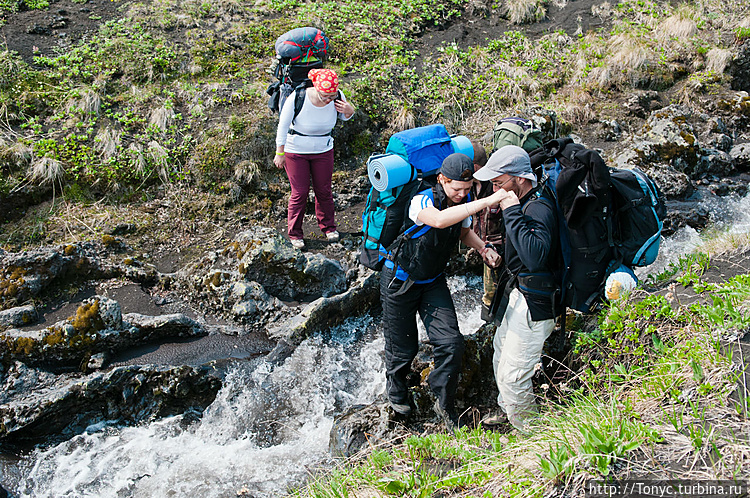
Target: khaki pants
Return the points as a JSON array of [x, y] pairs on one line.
[[518, 346], [490, 285]]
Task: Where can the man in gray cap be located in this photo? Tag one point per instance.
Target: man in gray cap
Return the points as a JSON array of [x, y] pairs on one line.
[[530, 298]]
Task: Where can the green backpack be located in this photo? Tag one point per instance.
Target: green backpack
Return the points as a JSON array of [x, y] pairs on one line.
[[517, 131]]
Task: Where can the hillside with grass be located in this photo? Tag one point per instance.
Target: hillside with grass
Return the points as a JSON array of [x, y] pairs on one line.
[[148, 121], [108, 101]]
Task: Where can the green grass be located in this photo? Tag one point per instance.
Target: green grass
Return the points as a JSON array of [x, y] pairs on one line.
[[217, 67]]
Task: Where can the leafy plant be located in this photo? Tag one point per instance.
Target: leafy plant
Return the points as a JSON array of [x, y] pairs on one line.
[[693, 267], [559, 463], [742, 33], [613, 439]]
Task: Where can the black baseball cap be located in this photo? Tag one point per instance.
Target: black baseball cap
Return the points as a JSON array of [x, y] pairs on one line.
[[458, 167]]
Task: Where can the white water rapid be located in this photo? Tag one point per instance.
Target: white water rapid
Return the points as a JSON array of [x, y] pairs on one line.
[[728, 214], [266, 431]]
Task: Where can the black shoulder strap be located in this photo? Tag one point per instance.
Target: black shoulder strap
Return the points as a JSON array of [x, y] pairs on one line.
[[299, 97]]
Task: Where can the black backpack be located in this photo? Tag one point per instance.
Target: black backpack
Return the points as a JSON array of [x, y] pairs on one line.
[[576, 180], [297, 52], [607, 217]]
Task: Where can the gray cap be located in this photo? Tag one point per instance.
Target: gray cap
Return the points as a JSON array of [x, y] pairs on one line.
[[510, 160]]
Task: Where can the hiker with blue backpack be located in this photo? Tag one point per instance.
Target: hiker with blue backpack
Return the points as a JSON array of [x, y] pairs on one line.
[[412, 281], [530, 296], [304, 148]]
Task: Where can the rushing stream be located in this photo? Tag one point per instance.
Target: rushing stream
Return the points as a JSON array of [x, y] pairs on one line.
[[268, 428], [266, 431]]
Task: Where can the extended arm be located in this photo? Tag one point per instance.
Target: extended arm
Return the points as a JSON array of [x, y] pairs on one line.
[[455, 214]]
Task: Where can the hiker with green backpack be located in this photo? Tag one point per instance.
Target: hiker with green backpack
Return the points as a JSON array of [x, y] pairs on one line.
[[488, 224]]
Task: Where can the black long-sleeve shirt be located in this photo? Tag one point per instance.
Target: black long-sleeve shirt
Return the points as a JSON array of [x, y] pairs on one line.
[[532, 243]]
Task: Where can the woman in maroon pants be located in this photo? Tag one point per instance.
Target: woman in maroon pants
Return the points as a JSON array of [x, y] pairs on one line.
[[304, 148]]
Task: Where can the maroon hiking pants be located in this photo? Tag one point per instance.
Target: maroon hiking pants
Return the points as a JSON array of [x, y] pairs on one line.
[[301, 168]]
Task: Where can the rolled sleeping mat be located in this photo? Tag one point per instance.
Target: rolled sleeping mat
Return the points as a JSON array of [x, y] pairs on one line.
[[387, 171], [463, 145]]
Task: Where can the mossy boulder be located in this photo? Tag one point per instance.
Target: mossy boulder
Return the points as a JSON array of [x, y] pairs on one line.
[[27, 274], [256, 273], [668, 137], [285, 272], [97, 327]]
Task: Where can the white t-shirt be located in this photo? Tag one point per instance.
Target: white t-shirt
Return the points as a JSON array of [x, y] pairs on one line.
[[311, 120], [421, 201]]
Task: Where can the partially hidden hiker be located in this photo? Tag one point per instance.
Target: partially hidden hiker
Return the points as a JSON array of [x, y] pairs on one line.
[[412, 281], [531, 294], [488, 225], [304, 148]]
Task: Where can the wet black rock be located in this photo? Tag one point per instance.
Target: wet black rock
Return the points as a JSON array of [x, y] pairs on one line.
[[38, 407], [641, 103], [326, 312], [18, 316], [740, 69], [685, 213], [740, 154], [358, 429]]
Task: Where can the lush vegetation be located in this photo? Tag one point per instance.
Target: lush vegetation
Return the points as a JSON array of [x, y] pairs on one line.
[[135, 105], [652, 384]]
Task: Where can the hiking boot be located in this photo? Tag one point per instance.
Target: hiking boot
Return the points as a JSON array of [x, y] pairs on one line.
[[448, 417], [400, 408], [297, 243], [495, 420], [333, 236]]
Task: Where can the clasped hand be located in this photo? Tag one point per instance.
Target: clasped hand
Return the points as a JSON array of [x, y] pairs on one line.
[[490, 257], [504, 198]]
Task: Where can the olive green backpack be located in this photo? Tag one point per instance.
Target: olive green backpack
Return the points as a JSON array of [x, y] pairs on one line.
[[517, 131]]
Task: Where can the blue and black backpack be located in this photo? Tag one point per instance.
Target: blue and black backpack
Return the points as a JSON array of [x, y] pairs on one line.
[[421, 151], [607, 216]]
